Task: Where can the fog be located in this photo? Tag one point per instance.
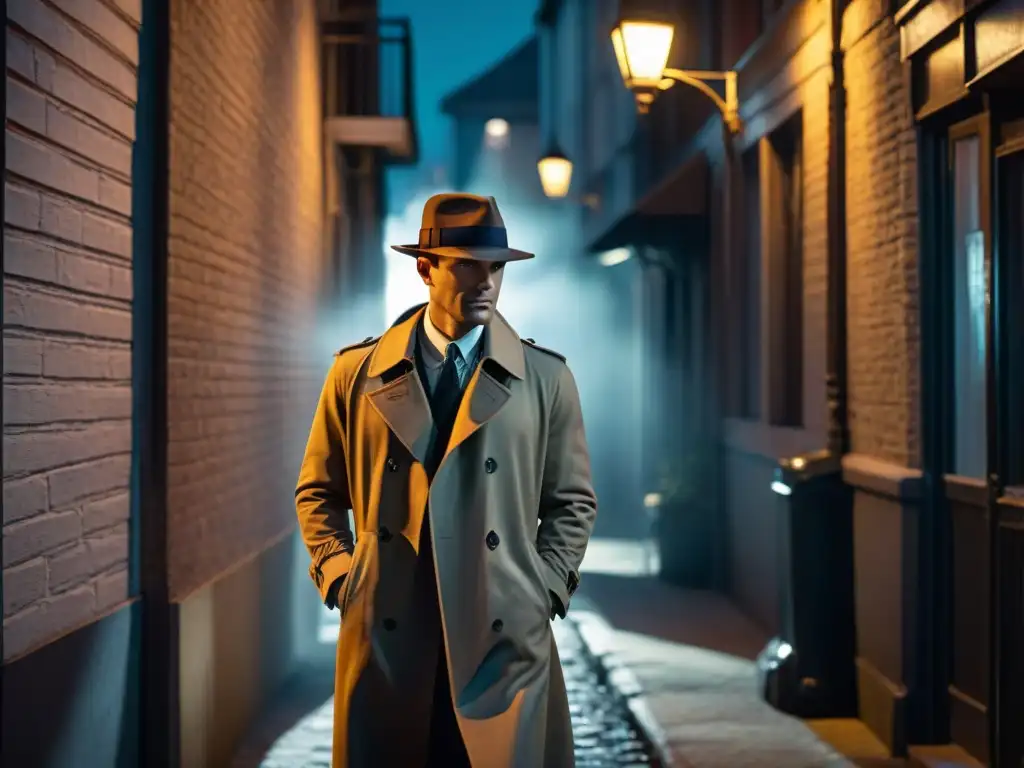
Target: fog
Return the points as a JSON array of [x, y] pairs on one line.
[[564, 300]]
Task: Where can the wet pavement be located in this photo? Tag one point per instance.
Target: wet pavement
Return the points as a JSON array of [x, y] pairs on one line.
[[605, 733]]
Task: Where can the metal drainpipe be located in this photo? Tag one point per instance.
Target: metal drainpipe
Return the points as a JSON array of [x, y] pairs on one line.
[[835, 377]]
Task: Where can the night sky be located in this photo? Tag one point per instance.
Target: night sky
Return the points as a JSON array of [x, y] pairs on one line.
[[453, 41]]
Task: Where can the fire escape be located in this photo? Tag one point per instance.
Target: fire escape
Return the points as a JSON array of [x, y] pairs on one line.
[[369, 124]]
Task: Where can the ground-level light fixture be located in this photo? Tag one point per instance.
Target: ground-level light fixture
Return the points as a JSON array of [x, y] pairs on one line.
[[642, 46], [613, 257], [555, 171]]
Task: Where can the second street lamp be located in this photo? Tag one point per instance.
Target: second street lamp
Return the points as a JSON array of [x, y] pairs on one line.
[[641, 50], [555, 171]]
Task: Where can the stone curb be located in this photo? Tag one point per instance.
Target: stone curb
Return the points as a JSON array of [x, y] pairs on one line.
[[596, 634]]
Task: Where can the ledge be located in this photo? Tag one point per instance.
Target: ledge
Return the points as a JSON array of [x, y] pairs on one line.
[[873, 475]]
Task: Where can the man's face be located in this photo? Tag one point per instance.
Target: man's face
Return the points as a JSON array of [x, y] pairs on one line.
[[463, 288]]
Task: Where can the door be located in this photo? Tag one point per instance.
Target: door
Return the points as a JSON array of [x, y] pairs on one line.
[[964, 458], [1008, 672]]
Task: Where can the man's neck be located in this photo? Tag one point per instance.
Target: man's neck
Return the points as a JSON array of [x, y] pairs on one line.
[[447, 325]]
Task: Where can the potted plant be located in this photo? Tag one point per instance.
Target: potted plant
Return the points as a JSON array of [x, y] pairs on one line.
[[683, 522]]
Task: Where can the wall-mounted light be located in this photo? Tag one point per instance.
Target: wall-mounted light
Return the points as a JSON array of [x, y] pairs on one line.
[[642, 46]]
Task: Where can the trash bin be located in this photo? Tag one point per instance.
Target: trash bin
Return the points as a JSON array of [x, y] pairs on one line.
[[808, 670]]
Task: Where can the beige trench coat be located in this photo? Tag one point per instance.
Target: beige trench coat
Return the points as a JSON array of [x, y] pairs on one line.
[[511, 508]]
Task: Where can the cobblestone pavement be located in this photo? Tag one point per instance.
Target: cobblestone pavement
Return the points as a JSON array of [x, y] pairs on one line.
[[605, 735]]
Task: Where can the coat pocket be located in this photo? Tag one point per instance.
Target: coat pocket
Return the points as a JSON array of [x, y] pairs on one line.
[[353, 583]]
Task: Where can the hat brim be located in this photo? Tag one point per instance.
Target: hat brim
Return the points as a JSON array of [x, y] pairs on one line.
[[475, 253]]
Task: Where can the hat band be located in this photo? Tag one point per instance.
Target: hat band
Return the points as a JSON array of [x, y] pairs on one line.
[[464, 237]]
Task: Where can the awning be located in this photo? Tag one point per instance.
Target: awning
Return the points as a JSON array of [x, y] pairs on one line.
[[674, 209]]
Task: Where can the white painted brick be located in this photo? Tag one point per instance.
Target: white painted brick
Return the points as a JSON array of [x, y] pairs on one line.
[[95, 554], [111, 589], [49, 403], [45, 165], [34, 308], [23, 585], [69, 567], [82, 360], [61, 219], [59, 34], [36, 450], [22, 207], [19, 55], [71, 484], [39, 535], [86, 274], [106, 24], [30, 257], [104, 513], [25, 106], [102, 148], [115, 195], [105, 234], [24, 498], [108, 547], [73, 89], [23, 357], [47, 620]]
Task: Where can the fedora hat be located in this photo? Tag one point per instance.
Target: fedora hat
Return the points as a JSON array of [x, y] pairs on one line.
[[463, 226]]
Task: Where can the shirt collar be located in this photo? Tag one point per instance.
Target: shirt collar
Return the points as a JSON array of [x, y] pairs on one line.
[[466, 344]]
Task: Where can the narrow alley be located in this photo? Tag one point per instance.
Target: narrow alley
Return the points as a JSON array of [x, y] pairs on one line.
[[605, 733], [745, 424]]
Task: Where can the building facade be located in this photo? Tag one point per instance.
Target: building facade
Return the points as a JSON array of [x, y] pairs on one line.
[[495, 127], [845, 340], [170, 175]]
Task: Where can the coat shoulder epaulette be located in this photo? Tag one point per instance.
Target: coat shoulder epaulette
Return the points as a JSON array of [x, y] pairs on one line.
[[538, 347], [364, 343]]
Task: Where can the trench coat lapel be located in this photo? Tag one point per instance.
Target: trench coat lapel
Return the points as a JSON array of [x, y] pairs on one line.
[[401, 401], [485, 395]]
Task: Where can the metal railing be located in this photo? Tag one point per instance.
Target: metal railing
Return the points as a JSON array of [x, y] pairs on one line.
[[368, 66]]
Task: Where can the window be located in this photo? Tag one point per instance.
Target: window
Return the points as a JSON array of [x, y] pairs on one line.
[[970, 287], [747, 296], [783, 215]]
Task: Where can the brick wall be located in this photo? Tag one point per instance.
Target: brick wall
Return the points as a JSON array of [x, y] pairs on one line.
[[883, 325], [71, 86], [245, 256]]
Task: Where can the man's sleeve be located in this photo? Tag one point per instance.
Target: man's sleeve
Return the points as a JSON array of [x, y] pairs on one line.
[[322, 494], [568, 504]]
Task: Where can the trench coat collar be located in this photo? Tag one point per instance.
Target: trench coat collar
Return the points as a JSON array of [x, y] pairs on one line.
[[398, 344]]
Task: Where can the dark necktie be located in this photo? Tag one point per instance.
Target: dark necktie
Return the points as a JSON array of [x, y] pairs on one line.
[[444, 406]]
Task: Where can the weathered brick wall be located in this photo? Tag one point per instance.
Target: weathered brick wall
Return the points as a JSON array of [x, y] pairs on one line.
[[883, 324], [71, 88], [245, 256]]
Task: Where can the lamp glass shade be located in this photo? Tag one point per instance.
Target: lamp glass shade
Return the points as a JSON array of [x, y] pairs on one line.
[[641, 50], [555, 174]]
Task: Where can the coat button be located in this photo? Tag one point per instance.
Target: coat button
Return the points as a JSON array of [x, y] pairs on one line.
[[389, 624], [497, 625], [384, 534], [492, 540], [392, 465], [490, 466]]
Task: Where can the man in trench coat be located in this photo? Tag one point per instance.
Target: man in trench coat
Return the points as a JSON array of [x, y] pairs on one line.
[[460, 450]]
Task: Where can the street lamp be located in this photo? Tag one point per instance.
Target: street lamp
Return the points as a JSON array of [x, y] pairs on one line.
[[641, 49], [555, 171]]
